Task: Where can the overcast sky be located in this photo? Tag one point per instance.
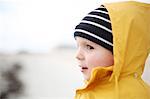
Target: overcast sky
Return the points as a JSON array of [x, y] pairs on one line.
[[39, 25]]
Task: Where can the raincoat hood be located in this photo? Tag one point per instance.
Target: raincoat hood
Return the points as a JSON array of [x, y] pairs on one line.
[[131, 46], [131, 36]]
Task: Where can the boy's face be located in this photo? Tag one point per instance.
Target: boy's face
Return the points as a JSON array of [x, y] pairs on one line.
[[90, 55]]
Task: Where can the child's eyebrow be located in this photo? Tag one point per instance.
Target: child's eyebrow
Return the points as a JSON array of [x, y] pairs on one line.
[[89, 43], [85, 42]]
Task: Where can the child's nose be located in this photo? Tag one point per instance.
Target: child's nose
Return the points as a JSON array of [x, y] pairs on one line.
[[79, 55]]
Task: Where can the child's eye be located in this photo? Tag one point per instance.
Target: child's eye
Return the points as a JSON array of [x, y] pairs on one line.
[[89, 47]]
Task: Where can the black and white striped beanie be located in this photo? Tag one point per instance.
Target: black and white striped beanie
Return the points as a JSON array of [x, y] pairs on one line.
[[96, 27]]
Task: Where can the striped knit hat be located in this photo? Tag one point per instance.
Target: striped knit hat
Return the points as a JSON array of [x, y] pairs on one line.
[[96, 27]]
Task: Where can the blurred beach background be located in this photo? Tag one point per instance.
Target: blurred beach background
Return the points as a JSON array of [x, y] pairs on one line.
[[37, 48]]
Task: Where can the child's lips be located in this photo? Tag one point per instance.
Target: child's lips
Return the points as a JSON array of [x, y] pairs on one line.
[[83, 68]]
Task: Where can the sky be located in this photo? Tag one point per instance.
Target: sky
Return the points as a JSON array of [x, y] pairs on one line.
[[40, 25]]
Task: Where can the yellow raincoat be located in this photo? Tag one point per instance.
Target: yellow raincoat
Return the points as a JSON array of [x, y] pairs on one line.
[[131, 38]]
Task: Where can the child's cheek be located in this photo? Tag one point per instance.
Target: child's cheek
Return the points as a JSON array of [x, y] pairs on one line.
[[93, 61], [97, 60]]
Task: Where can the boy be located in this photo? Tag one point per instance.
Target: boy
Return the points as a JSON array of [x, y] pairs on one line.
[[94, 47], [113, 44]]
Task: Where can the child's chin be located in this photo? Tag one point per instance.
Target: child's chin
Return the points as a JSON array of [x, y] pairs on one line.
[[86, 77]]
